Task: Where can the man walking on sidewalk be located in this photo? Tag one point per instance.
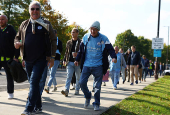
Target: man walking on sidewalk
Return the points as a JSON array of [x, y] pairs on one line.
[[93, 53], [37, 42], [145, 70], [53, 70], [7, 51], [115, 68], [133, 62], [123, 66], [72, 47]]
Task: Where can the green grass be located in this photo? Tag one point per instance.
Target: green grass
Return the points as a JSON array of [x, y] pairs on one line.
[[152, 100]]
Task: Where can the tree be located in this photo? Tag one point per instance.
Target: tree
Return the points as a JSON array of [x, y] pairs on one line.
[[125, 40], [15, 11]]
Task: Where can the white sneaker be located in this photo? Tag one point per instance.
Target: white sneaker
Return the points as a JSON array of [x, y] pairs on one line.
[[10, 95]]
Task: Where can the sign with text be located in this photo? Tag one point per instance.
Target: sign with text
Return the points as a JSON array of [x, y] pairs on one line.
[[157, 53], [157, 43]]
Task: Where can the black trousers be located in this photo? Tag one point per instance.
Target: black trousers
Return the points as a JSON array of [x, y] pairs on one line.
[[10, 81]]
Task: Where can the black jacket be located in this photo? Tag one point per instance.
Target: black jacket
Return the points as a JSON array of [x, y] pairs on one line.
[[134, 59], [7, 48], [18, 73]]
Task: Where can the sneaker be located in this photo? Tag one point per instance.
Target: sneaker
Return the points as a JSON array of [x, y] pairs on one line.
[[37, 110], [131, 84], [87, 103], [104, 84], [10, 95], [96, 107], [115, 88], [140, 81], [72, 88], [65, 93], [76, 92], [54, 89], [26, 113], [46, 90], [136, 81]]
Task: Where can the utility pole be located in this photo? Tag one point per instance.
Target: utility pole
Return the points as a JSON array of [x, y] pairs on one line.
[[156, 63]]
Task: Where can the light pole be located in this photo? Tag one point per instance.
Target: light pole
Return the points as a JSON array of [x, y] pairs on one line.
[[167, 46], [156, 63]]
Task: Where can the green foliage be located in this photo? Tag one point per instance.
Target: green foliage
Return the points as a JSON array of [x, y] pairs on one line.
[[144, 46], [15, 11]]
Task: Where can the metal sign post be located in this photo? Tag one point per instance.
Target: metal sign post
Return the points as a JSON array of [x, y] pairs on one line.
[[156, 63]]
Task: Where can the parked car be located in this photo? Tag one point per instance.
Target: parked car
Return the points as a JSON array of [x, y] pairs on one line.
[[167, 69]]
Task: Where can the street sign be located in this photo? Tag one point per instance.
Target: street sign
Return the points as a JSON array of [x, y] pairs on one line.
[[157, 53], [157, 43]]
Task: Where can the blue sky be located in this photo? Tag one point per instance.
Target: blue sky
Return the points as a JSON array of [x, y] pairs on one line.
[[116, 16]]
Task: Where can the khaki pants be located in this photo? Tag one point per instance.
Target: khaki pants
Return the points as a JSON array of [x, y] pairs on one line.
[[140, 72], [133, 70]]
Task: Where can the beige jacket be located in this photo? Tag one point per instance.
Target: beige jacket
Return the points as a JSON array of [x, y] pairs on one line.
[[22, 32]]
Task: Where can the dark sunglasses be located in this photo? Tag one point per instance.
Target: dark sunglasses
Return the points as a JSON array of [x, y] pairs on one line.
[[37, 9]]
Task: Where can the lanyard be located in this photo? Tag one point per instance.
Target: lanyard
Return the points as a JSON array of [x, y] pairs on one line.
[[4, 29]]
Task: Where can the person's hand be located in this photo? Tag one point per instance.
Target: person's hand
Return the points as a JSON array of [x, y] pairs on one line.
[[74, 54], [18, 45], [15, 59], [23, 63], [64, 63], [114, 60], [76, 63], [50, 63], [137, 66]]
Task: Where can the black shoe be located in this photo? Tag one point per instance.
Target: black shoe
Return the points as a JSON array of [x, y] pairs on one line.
[[118, 82], [0, 73], [37, 110], [123, 81], [128, 81]]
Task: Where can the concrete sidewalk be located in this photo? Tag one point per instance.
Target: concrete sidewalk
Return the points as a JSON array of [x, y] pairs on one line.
[[57, 104]]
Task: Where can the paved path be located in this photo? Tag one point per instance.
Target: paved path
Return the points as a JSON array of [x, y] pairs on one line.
[[56, 104]]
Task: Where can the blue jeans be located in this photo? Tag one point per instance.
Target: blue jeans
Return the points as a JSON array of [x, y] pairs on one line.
[[115, 77], [144, 73], [160, 72], [52, 71], [97, 72], [70, 70], [34, 74], [150, 72], [43, 80]]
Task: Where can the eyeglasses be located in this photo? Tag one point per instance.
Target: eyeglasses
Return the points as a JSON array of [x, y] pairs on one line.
[[37, 9]]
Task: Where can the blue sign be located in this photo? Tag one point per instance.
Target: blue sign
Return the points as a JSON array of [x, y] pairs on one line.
[[157, 53]]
